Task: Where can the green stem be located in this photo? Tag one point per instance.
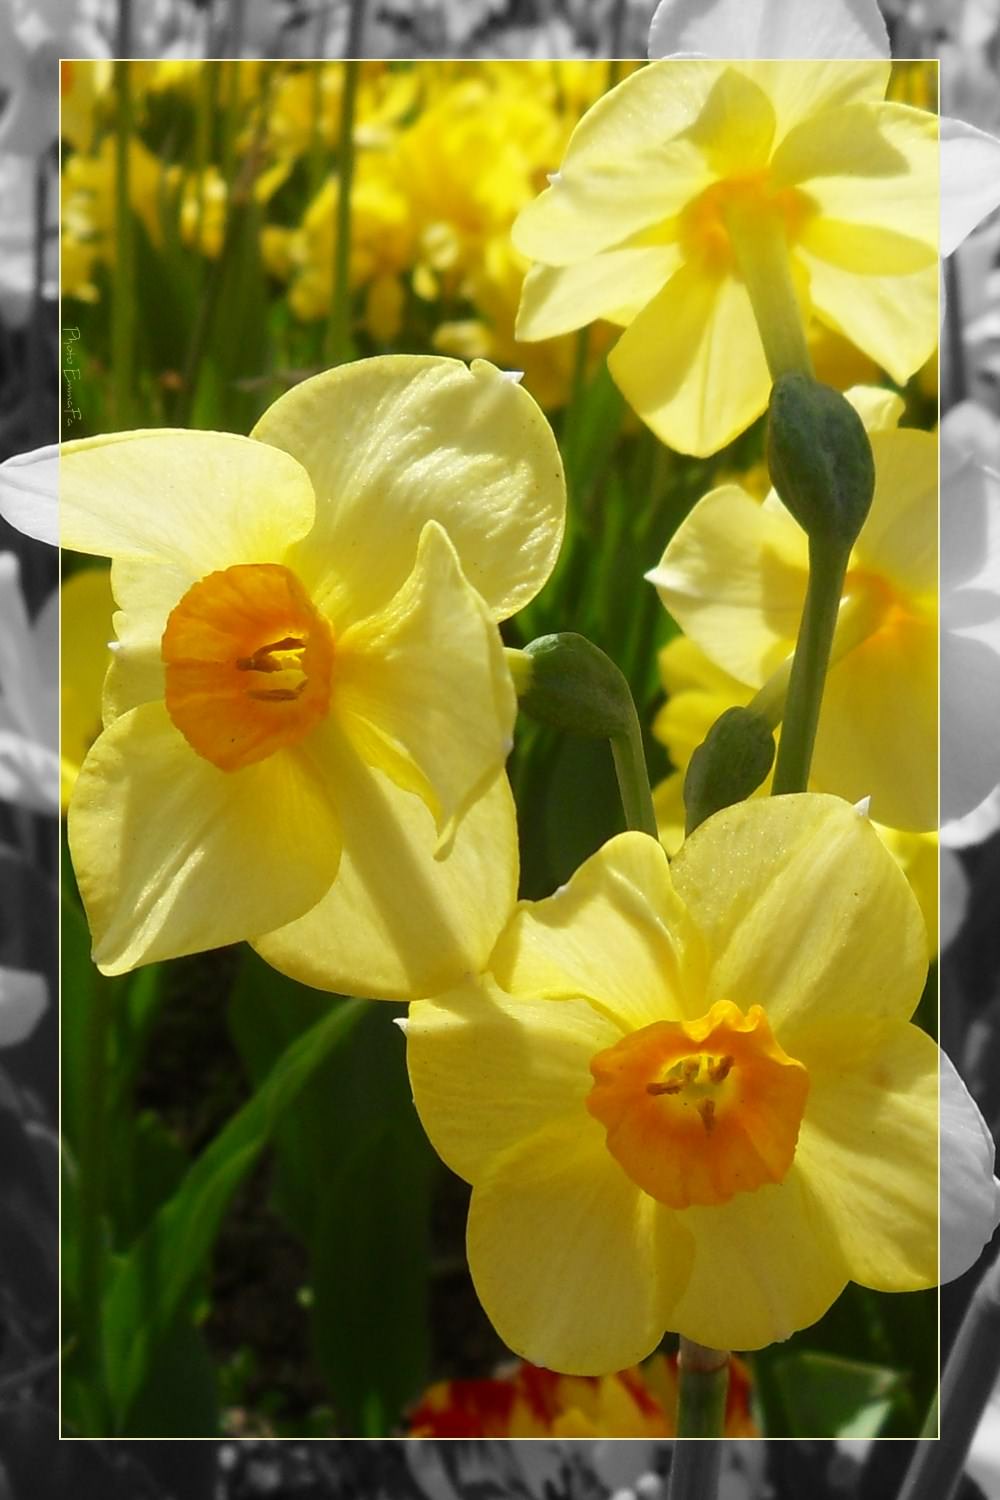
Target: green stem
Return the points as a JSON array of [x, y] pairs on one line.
[[703, 1380], [123, 298], [761, 248], [338, 331], [827, 568], [969, 1376], [633, 776]]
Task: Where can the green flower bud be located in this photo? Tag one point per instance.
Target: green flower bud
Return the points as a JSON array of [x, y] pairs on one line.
[[567, 682], [728, 766], [820, 459]]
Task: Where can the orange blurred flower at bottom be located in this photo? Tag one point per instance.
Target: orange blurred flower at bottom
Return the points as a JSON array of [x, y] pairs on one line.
[[525, 1401]]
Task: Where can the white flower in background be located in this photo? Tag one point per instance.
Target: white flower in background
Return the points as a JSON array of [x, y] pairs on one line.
[[17, 242], [29, 712], [970, 159], [970, 632], [29, 493], [34, 34], [970, 1193], [23, 998]]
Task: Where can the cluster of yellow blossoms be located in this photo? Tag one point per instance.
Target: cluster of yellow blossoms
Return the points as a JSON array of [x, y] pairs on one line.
[[688, 1094], [446, 155]]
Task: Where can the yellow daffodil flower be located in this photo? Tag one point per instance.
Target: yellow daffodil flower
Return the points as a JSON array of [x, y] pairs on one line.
[[699, 692], [308, 710], [696, 186], [690, 1096], [734, 577]]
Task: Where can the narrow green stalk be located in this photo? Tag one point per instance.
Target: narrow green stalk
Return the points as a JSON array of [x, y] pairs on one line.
[[633, 776], [969, 1376], [827, 567], [338, 332], [567, 682], [703, 1380], [761, 249], [123, 293]]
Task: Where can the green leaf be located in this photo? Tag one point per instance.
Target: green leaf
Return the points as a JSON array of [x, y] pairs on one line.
[[353, 1129], [154, 1282], [828, 1397]]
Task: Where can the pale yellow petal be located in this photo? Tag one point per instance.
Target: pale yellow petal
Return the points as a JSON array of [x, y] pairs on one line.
[[426, 684], [734, 578], [802, 875], [576, 1268], [894, 319], [393, 442], [627, 166], [86, 607], [877, 733], [615, 285], [868, 1146], [615, 933], [765, 1264], [869, 164], [899, 540], [145, 594], [488, 1071], [818, 88], [692, 364], [195, 500], [174, 856], [398, 924]]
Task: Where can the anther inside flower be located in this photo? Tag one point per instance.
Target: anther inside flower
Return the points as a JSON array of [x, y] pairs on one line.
[[248, 662], [698, 1111]]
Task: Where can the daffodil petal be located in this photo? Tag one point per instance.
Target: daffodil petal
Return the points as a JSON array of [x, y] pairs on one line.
[[142, 495], [692, 364], [868, 1144], [868, 165], [970, 180], [615, 285], [617, 175], [183, 856], [428, 681], [893, 319], [399, 924], [805, 88], [616, 934], [420, 438], [576, 1268], [878, 726], [765, 1264], [488, 1071], [899, 539], [808, 875], [759, 28], [734, 577], [970, 1193], [29, 493]]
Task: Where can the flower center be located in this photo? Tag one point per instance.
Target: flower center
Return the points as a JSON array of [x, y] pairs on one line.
[[248, 664], [739, 206], [697, 1111]]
